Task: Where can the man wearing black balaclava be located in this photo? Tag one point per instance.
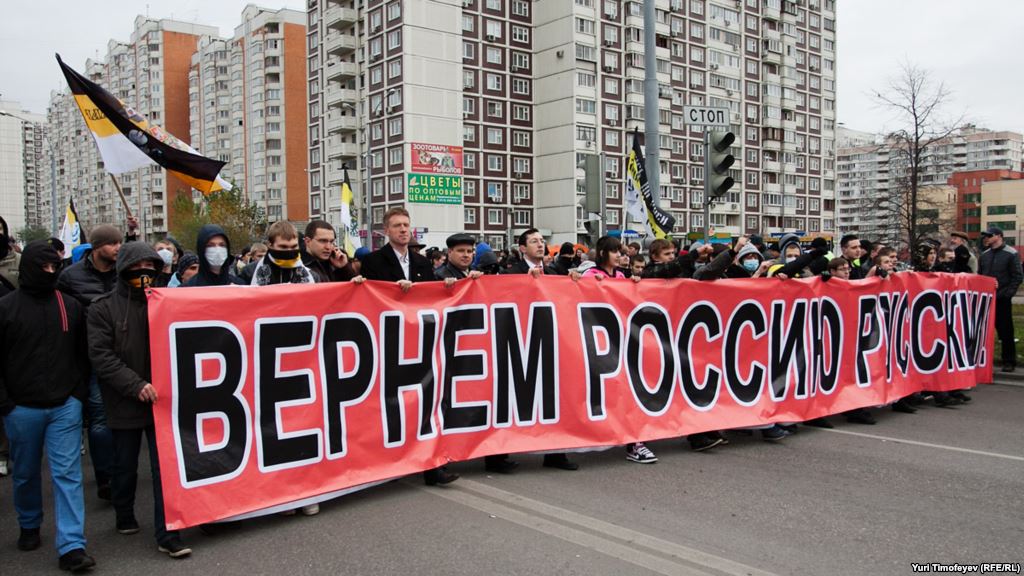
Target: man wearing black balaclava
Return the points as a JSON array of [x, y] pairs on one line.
[[119, 352], [44, 372]]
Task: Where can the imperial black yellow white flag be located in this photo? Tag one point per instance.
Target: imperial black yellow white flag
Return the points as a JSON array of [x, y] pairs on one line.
[[127, 141], [640, 202]]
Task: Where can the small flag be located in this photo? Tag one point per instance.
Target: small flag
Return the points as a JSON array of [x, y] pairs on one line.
[[640, 203], [70, 231], [127, 141], [348, 223]]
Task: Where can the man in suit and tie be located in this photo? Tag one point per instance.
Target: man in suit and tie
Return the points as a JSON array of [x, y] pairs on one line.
[[395, 262]]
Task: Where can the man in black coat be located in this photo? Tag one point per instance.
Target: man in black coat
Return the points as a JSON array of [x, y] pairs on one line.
[[323, 258], [395, 262], [961, 253], [532, 249], [461, 248], [119, 351], [215, 260], [86, 280], [1003, 263], [44, 374]]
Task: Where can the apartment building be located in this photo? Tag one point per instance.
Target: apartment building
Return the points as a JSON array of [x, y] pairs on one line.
[[150, 73], [873, 175], [543, 84], [21, 159], [247, 107]]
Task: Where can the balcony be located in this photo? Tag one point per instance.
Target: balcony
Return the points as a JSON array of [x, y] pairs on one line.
[[340, 44], [771, 166], [337, 123], [341, 71], [768, 122], [771, 57], [336, 97], [335, 147], [339, 18]]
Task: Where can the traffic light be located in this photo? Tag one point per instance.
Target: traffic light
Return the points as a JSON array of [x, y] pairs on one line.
[[718, 161]]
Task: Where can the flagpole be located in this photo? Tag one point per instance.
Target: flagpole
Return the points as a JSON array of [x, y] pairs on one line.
[[124, 201]]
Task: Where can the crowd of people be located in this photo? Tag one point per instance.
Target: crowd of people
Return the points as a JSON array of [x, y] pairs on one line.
[[50, 300]]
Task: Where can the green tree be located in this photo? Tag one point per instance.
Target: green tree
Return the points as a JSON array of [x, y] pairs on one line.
[[30, 233], [243, 221]]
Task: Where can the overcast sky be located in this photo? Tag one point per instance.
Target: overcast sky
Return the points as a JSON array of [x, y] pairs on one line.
[[974, 47]]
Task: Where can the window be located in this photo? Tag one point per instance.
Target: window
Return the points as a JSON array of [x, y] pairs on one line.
[[520, 139], [467, 50], [520, 112], [520, 61], [470, 215], [494, 5], [394, 39], [520, 86], [468, 23], [611, 8], [468, 79], [395, 126], [469, 160], [585, 26], [468, 135], [520, 8], [394, 10], [493, 55], [495, 216], [611, 138], [495, 192], [521, 192], [520, 34], [495, 163], [494, 82], [494, 28], [586, 106], [521, 165], [584, 52], [496, 109], [586, 79], [395, 156], [495, 136]]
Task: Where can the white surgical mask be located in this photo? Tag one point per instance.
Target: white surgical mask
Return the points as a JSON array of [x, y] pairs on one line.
[[166, 255], [751, 264], [790, 259], [216, 256]]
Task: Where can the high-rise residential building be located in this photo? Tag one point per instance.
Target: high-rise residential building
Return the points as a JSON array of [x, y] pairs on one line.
[[543, 84], [873, 176], [247, 101], [150, 74], [21, 159]]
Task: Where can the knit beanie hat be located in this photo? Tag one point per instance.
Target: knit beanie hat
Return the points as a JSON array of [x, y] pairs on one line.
[[103, 235]]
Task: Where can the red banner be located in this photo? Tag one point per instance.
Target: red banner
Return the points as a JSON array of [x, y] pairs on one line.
[[436, 159], [278, 394]]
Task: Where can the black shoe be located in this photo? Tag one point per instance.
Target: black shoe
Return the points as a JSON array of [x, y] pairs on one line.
[[103, 491], [127, 526], [174, 548], [774, 434], [500, 464], [439, 477], [29, 539], [788, 428], [861, 416], [916, 399], [702, 442], [819, 423], [718, 435], [903, 405], [560, 461], [76, 561], [944, 400], [1009, 368], [961, 396]]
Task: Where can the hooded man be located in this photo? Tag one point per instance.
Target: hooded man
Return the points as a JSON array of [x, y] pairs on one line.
[[565, 260], [214, 250], [119, 351], [188, 266], [44, 375]]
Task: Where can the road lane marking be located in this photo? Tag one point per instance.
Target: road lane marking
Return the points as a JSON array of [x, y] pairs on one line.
[[926, 444], [643, 550]]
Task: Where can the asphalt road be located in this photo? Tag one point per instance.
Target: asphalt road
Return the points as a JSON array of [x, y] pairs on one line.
[[943, 485]]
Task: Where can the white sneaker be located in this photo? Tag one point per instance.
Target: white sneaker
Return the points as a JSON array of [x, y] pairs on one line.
[[311, 510], [640, 454]]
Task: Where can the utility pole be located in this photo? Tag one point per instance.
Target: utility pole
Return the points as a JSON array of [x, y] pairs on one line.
[[651, 109]]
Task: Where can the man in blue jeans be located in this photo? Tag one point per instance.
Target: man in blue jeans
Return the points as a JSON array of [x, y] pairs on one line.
[[44, 372]]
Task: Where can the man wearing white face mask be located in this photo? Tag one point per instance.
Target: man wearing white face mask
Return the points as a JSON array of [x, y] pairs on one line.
[[214, 250], [169, 254]]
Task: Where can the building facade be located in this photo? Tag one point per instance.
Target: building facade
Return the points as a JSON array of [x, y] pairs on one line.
[[968, 184], [150, 73], [247, 107], [21, 159], [540, 85], [1002, 205], [873, 178]]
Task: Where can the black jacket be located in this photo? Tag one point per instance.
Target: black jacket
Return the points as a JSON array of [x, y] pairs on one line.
[[205, 276], [562, 265], [43, 357], [324, 271], [119, 345], [523, 267], [962, 259], [383, 264], [449, 271], [1003, 264], [83, 281]]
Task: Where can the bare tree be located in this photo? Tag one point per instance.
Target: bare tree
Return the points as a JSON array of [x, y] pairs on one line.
[[918, 102]]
